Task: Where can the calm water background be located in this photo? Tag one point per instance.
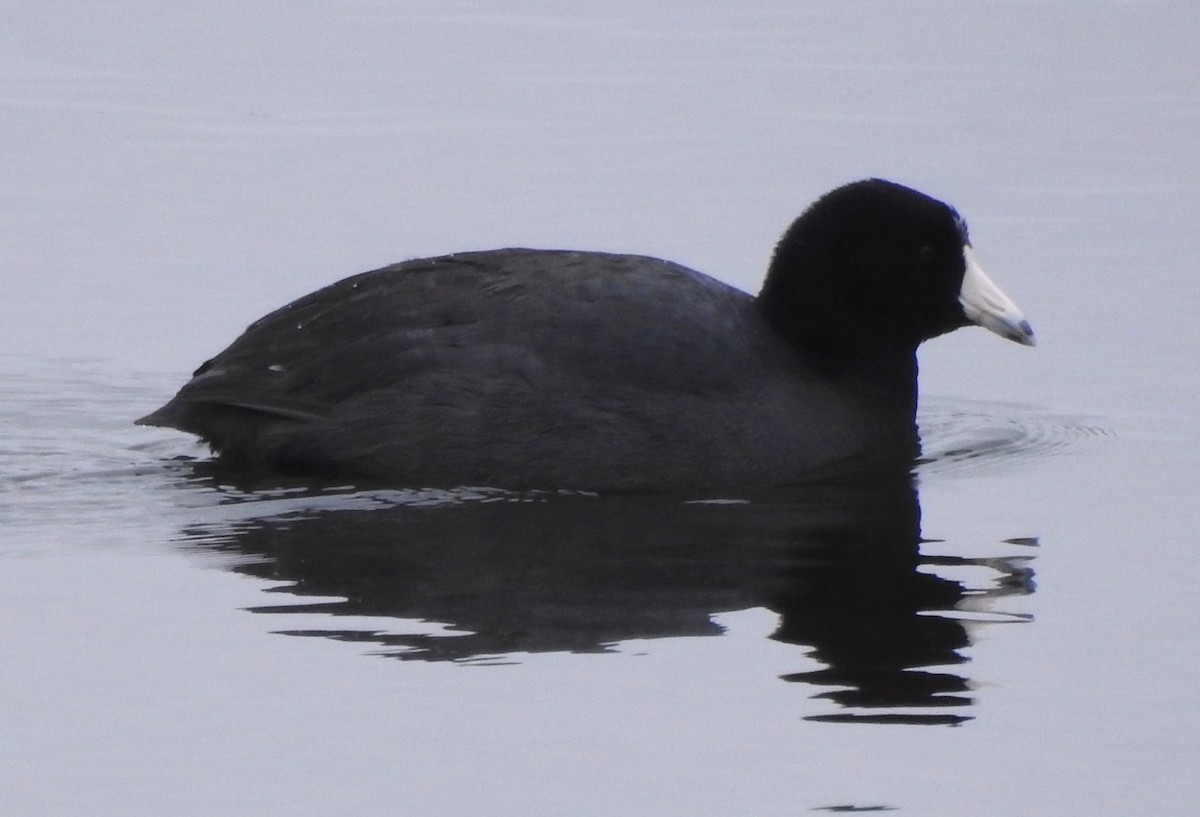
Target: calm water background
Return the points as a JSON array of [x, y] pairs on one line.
[[1017, 636]]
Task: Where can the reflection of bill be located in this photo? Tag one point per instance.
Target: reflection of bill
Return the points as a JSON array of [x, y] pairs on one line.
[[882, 625], [841, 565]]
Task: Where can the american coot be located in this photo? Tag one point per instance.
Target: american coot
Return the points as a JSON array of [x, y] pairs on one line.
[[522, 368]]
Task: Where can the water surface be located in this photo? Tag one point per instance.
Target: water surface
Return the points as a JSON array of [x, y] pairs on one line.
[[1008, 630]]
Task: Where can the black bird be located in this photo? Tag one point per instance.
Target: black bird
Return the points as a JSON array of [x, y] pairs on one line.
[[523, 368]]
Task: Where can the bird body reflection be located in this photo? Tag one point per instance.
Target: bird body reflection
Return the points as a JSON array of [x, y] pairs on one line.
[[841, 565]]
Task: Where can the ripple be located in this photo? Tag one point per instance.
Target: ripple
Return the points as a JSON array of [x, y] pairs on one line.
[[73, 455], [976, 437], [232, 506]]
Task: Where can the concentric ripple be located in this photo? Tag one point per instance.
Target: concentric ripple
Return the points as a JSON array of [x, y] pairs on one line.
[[964, 436]]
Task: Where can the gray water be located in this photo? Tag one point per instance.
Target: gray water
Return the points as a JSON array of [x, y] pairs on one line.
[[1013, 633]]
